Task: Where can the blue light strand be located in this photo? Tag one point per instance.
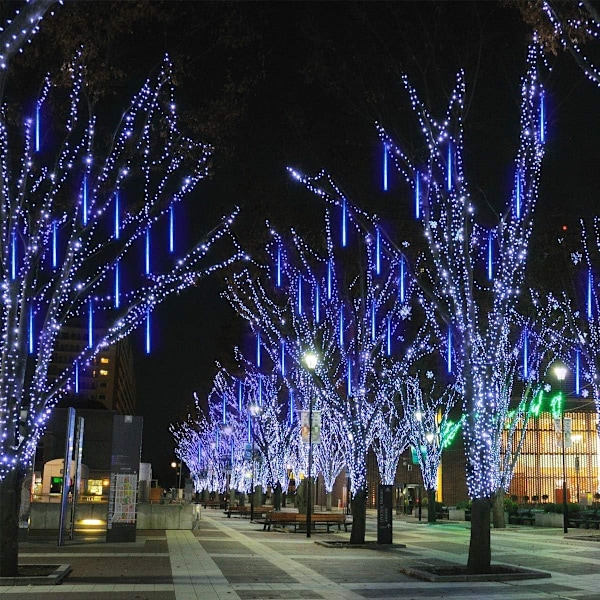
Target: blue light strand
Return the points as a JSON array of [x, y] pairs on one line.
[[37, 127], [378, 251], [577, 372], [417, 195], [278, 276], [518, 196], [449, 353], [299, 294], [117, 285], [373, 319], [449, 173], [13, 255], [389, 337], [525, 355], [341, 328], [117, 216], [85, 200], [282, 363], [401, 282], [249, 430], [258, 350], [329, 279], [542, 118], [76, 374], [240, 396], [490, 261], [589, 295], [318, 304], [291, 407], [260, 391], [349, 380], [147, 251], [31, 326], [148, 331], [385, 167], [54, 245], [171, 228], [224, 409], [90, 323], [344, 223]]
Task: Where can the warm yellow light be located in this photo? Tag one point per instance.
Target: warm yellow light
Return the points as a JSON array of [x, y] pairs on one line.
[[560, 371], [92, 522], [103, 372], [104, 360], [310, 360]]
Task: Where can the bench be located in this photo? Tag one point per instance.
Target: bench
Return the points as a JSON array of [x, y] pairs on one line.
[[244, 510], [214, 504], [296, 520], [523, 516], [586, 519], [443, 513]]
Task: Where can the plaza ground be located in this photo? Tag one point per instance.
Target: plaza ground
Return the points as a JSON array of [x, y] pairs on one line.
[[235, 559]]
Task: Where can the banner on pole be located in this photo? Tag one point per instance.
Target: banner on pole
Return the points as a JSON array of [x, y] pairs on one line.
[[305, 426]]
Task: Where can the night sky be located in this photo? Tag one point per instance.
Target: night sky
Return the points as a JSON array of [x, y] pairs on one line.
[[301, 84]]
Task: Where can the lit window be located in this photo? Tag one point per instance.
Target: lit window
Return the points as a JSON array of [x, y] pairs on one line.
[[104, 360], [103, 372]]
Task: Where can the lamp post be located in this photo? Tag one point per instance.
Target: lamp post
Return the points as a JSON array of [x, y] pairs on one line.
[[255, 411], [560, 371], [177, 465], [310, 360]]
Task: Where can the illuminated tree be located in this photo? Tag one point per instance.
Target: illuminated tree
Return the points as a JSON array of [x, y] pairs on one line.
[[581, 313], [474, 276], [77, 207], [345, 303], [429, 428]]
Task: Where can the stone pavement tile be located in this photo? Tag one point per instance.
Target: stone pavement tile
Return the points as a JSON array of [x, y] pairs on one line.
[[379, 570]]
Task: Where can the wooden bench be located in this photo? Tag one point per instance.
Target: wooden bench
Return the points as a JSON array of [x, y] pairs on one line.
[[443, 513], [523, 516], [297, 520], [214, 504], [244, 511], [586, 519]]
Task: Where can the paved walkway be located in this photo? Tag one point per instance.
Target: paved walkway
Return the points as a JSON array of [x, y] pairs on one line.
[[235, 559]]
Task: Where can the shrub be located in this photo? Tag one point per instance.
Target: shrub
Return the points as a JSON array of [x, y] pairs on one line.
[[510, 506]]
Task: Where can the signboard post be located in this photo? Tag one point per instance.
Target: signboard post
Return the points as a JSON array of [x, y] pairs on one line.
[[385, 495], [125, 465]]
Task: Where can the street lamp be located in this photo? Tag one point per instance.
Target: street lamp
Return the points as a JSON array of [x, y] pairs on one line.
[[310, 360], [255, 411], [177, 465], [560, 372]]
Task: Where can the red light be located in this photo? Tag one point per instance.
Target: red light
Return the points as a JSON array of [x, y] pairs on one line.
[[564, 227]]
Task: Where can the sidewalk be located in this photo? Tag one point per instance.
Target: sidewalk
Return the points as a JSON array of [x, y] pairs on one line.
[[235, 559]]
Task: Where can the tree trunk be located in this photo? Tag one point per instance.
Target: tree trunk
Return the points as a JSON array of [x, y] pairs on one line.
[[328, 501], [431, 507], [498, 519], [480, 549], [10, 501], [359, 517]]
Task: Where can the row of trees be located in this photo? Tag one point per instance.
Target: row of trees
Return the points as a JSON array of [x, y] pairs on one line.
[[382, 323], [80, 202]]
